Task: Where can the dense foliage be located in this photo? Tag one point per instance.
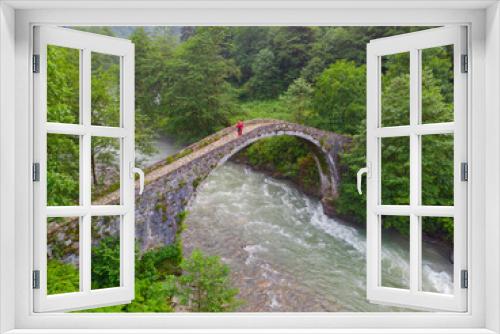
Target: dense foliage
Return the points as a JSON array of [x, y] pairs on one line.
[[339, 98], [205, 284], [198, 98], [63, 106], [285, 157], [62, 277], [153, 292], [200, 283], [192, 81]]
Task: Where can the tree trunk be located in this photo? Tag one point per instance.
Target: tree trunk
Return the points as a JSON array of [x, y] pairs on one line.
[[93, 167]]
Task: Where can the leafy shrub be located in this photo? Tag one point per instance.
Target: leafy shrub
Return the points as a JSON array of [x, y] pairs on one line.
[[205, 284], [62, 277]]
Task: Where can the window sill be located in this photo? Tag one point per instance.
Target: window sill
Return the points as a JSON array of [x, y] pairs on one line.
[[253, 331]]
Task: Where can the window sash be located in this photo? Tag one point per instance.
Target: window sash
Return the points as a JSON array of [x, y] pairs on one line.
[[413, 43], [86, 43]]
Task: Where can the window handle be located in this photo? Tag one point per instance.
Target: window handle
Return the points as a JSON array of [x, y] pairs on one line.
[[364, 170], [134, 170]]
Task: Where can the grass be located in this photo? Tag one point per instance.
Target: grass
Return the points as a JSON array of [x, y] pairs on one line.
[[177, 156], [207, 141], [262, 109]]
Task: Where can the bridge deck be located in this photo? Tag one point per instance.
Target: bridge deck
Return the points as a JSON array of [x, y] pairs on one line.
[[163, 168]]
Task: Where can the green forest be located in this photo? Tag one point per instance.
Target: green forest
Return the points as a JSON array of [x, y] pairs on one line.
[[193, 81]]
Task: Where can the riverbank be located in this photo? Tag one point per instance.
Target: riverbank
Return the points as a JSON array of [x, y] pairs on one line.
[[286, 158], [311, 189]]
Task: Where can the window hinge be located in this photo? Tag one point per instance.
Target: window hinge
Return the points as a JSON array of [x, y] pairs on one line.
[[465, 63], [464, 282], [36, 63], [36, 172], [36, 279], [464, 171]]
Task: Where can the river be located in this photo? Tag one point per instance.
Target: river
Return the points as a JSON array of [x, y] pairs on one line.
[[285, 254]]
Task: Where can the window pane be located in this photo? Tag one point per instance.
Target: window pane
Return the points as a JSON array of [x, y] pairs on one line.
[[395, 171], [437, 84], [63, 169], [395, 99], [105, 167], [437, 254], [105, 252], [63, 255], [437, 169], [105, 89], [395, 252], [63, 84]]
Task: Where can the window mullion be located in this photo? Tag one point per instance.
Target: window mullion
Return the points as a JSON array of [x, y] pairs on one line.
[[85, 175], [127, 179], [415, 239]]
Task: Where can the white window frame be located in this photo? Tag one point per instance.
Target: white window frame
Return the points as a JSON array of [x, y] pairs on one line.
[[86, 43], [413, 44], [483, 18]]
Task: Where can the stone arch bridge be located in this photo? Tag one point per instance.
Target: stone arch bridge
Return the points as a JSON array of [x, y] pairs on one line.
[[170, 185]]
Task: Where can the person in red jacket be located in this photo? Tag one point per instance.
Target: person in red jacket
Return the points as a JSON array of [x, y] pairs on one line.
[[239, 127]]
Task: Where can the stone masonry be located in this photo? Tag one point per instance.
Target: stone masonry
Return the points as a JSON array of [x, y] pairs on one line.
[[170, 185]]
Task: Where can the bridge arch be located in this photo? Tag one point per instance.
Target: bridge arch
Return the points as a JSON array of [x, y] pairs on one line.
[[327, 169], [171, 184]]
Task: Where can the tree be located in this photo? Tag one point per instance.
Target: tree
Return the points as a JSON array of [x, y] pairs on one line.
[[62, 277], [205, 284], [439, 61], [347, 43], [350, 204], [437, 152], [292, 48], [286, 157], [198, 98], [187, 32], [156, 263], [152, 47], [313, 68], [105, 111], [339, 98], [265, 82], [152, 50], [272, 58], [149, 296], [298, 100], [154, 283], [63, 104], [62, 170], [106, 263], [248, 42]]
